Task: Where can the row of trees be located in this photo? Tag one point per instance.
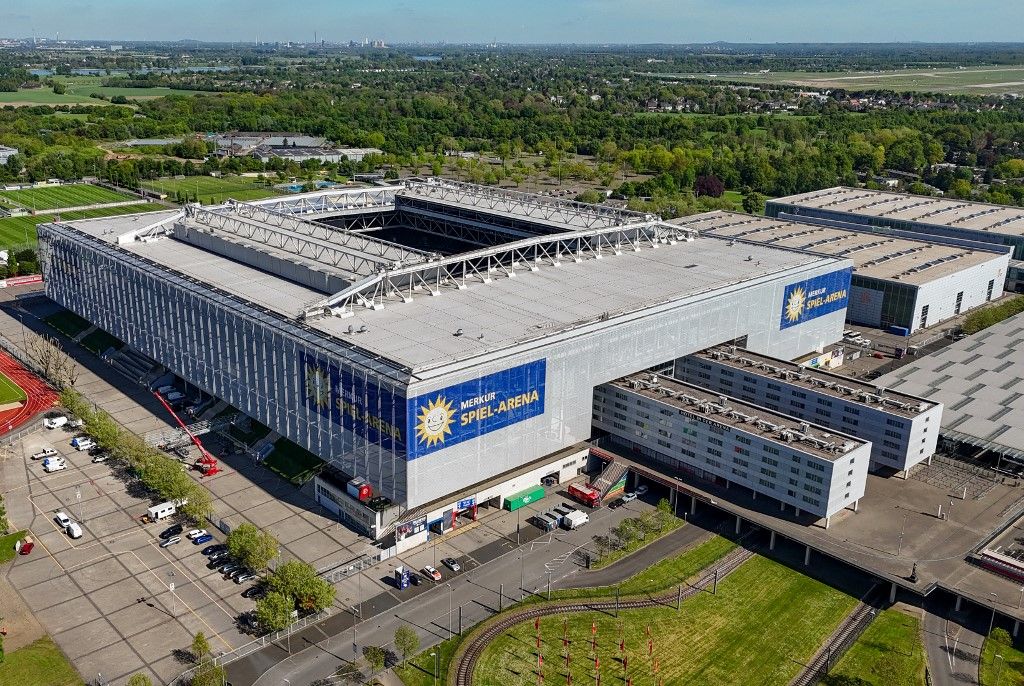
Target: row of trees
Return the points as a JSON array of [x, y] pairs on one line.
[[633, 530], [156, 471]]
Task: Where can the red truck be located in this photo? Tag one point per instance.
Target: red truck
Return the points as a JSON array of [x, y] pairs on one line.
[[591, 497]]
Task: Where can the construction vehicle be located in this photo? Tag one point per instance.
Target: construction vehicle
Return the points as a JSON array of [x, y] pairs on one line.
[[207, 463]]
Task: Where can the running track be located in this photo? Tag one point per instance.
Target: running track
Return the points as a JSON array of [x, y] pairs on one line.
[[40, 396]]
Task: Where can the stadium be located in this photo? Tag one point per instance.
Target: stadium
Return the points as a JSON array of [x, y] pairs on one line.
[[441, 341]]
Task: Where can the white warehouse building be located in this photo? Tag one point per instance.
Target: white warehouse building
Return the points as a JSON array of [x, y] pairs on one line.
[[900, 279], [726, 441], [902, 429]]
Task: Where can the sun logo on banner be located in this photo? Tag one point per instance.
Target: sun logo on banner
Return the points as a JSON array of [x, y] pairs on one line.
[[795, 304], [435, 421], [318, 386]]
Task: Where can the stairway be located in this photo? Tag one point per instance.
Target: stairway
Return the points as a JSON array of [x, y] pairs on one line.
[[611, 475]]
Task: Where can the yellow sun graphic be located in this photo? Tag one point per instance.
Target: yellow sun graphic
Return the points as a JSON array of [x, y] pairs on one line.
[[435, 421], [318, 386], [795, 304]]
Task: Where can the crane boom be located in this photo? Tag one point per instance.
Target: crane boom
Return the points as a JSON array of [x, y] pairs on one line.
[[207, 464]]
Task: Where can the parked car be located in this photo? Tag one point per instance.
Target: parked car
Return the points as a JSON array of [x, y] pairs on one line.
[[62, 519], [641, 489], [221, 555], [616, 504], [73, 530], [218, 562], [245, 576], [451, 563], [76, 423], [52, 465], [167, 542], [211, 549], [205, 538], [55, 422], [414, 578], [431, 573], [100, 458], [228, 568], [628, 497], [255, 592], [172, 531], [44, 453], [82, 443], [196, 533]]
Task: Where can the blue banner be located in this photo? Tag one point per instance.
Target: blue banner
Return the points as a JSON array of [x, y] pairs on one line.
[[358, 404], [458, 413], [815, 297]]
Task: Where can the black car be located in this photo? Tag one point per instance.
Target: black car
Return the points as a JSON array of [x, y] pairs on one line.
[[216, 562], [414, 579], [93, 452], [617, 503], [216, 548], [172, 531], [255, 592]]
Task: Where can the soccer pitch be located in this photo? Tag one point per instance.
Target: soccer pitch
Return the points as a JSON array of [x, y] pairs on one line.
[[21, 231], [213, 190], [10, 392], [56, 197]]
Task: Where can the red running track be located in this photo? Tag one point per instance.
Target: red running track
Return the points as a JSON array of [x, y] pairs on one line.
[[40, 396]]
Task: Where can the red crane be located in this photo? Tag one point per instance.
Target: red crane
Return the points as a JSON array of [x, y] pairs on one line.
[[207, 464]]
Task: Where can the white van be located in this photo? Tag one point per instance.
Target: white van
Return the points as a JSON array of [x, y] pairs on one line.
[[55, 422], [74, 530], [54, 466], [82, 443]]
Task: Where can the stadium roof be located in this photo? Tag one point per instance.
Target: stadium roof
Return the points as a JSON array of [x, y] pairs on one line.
[[874, 255], [959, 214], [980, 381], [516, 303]]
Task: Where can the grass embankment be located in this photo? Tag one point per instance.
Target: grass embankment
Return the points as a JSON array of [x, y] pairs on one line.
[[7, 542], [419, 671], [38, 664], [888, 653], [669, 523], [10, 392], [99, 341], [765, 620], [1005, 671], [68, 323]]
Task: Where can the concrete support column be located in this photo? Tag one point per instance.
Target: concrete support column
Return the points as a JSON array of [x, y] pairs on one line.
[[892, 593], [956, 607], [771, 542], [807, 555], [906, 474], [1016, 627], [856, 504], [727, 484], [797, 511], [739, 523], [693, 504], [755, 495], [782, 506], [929, 459], [827, 520]]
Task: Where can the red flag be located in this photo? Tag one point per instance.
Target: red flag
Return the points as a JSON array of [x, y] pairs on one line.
[[622, 645], [565, 642], [597, 662], [536, 624], [538, 642], [625, 662], [540, 660], [648, 631], [593, 628], [629, 681], [567, 660], [656, 665], [568, 679], [650, 647]]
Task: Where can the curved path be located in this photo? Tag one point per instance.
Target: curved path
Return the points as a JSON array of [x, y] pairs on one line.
[[40, 396], [469, 652]]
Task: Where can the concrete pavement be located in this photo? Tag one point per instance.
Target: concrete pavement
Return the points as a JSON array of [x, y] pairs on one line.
[[952, 642]]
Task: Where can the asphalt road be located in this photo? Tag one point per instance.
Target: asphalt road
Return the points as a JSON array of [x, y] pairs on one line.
[[952, 642], [433, 611]]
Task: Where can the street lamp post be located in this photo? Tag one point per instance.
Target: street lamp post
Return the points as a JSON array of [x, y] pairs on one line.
[[435, 656], [522, 574], [903, 528], [992, 621], [449, 610]]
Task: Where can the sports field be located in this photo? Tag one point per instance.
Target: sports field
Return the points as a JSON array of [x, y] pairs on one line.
[[55, 197], [212, 190], [970, 81], [10, 392], [764, 622], [21, 231]]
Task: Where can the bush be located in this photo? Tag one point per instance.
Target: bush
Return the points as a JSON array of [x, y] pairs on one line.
[[982, 319], [1001, 635]]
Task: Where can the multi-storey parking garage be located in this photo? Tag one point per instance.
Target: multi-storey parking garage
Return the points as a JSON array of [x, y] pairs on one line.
[[434, 377]]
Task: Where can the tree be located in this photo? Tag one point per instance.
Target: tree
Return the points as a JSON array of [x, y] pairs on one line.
[[59, 88], [709, 184], [1001, 635], [274, 611], [139, 679], [299, 581], [200, 646], [753, 203], [375, 657], [253, 547], [406, 641], [53, 363], [209, 674]]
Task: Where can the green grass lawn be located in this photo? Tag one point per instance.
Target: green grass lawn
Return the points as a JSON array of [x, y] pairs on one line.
[[292, 463], [213, 190], [419, 671], [888, 653], [21, 231], [7, 542], [68, 323], [79, 90], [38, 664], [736, 198], [765, 620], [99, 341], [73, 195], [1008, 671], [10, 392]]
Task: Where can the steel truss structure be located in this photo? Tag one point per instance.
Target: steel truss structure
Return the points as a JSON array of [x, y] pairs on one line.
[[333, 202], [523, 205], [455, 272], [353, 252]]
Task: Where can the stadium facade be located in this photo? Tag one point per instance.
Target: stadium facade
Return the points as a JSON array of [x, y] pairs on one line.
[[442, 377]]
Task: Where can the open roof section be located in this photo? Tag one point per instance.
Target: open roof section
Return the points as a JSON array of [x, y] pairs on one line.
[[913, 261], [962, 214]]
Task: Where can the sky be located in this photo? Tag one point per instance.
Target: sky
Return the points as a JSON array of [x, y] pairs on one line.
[[519, 21]]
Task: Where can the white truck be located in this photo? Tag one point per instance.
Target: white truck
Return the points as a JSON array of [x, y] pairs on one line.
[[575, 519], [162, 510], [55, 422]]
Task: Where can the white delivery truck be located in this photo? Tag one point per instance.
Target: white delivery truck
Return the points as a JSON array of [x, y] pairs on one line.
[[575, 519], [162, 510], [55, 422]]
